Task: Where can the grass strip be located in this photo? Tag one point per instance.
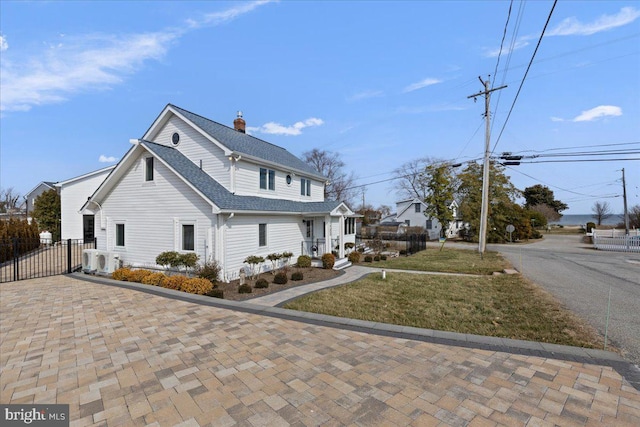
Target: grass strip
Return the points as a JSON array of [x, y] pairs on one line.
[[446, 260], [502, 306]]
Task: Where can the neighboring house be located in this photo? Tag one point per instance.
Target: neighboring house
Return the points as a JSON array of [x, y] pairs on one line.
[[193, 185], [30, 198], [411, 212], [73, 195]]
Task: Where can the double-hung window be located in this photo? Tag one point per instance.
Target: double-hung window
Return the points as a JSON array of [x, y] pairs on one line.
[[188, 237], [305, 187], [267, 179], [262, 234], [120, 235], [417, 205]]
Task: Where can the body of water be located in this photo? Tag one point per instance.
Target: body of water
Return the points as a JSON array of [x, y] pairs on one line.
[[583, 219]]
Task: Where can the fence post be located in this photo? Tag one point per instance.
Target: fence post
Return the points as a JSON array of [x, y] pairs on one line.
[[16, 259], [69, 256]]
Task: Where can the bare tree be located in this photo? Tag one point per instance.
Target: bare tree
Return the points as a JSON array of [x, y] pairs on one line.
[[340, 186], [547, 211], [410, 179], [601, 211], [9, 200]]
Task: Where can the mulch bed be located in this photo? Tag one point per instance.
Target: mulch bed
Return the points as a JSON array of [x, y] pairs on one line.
[[311, 275]]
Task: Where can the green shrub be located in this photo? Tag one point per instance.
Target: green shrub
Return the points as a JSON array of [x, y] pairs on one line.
[[174, 282], [121, 274], [154, 279], [215, 293], [297, 275], [280, 279], [328, 261], [590, 226], [261, 284], [304, 261], [368, 258], [376, 258], [354, 257], [196, 285], [210, 271], [245, 288], [403, 252], [383, 257], [168, 259], [360, 250]]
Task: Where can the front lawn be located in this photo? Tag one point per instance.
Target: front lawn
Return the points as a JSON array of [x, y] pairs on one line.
[[502, 306], [446, 260]]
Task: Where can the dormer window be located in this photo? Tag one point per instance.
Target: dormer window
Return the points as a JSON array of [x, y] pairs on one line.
[[267, 179], [305, 187]]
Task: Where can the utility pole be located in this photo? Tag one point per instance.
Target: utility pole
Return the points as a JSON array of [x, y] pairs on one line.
[[624, 197], [484, 212]]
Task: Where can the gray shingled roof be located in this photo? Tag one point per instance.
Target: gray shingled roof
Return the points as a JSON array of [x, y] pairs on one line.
[[222, 197], [243, 143]]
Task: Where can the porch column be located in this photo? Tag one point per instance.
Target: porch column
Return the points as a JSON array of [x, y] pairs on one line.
[[341, 238], [328, 236]]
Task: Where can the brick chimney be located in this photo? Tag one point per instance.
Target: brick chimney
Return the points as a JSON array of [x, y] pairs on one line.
[[239, 124]]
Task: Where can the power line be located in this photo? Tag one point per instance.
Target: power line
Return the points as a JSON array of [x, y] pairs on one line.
[[525, 74], [580, 146], [582, 160]]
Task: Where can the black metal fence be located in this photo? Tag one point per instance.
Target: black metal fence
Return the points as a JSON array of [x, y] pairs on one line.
[[46, 259], [410, 243]]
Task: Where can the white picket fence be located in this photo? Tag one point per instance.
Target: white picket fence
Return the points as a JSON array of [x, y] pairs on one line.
[[616, 240]]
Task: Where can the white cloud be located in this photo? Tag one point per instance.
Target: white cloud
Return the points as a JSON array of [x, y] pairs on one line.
[[273, 128], [557, 119], [519, 44], [105, 159], [419, 85], [571, 26], [365, 95], [3, 44], [88, 62], [599, 111]]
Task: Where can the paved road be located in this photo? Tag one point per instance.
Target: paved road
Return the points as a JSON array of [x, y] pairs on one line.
[[580, 277]]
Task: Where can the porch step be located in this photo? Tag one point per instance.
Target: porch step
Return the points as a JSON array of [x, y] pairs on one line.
[[341, 264]]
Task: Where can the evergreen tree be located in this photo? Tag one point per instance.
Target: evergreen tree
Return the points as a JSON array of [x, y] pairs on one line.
[[46, 211], [439, 184]]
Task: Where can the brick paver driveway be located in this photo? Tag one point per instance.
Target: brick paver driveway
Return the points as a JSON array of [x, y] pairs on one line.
[[122, 357]]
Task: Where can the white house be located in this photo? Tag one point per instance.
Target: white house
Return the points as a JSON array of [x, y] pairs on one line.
[[412, 213], [30, 198], [73, 195], [193, 185]]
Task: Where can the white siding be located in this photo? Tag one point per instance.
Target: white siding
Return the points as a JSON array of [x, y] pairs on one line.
[[150, 211], [197, 148], [284, 234], [247, 183], [72, 197]]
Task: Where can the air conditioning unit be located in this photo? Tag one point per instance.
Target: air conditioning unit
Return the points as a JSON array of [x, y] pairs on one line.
[[107, 262], [89, 260]]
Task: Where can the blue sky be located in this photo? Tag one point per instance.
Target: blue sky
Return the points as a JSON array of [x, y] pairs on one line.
[[381, 83]]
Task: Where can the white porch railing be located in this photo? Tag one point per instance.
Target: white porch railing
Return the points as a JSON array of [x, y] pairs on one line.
[[613, 240]]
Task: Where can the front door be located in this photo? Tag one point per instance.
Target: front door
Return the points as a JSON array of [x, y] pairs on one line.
[[88, 231]]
